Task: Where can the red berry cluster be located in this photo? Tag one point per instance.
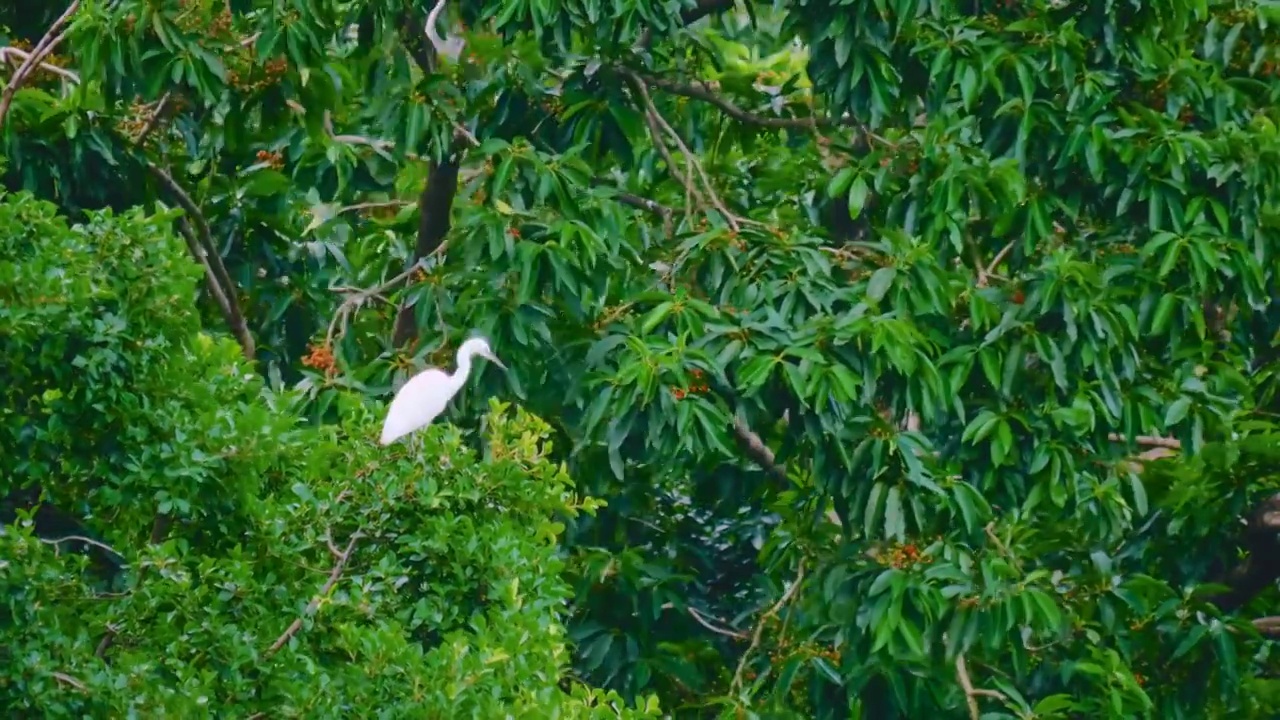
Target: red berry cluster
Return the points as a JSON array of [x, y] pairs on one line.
[[696, 387]]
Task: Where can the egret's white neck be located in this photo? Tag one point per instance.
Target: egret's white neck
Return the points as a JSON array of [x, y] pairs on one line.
[[464, 362]]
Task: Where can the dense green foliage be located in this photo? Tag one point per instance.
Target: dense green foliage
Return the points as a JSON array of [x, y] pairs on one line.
[[854, 314], [445, 595]]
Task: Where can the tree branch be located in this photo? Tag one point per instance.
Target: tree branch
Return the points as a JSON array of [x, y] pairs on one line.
[[971, 694], [759, 631], [156, 114], [24, 56], [755, 448], [52, 37], [707, 94], [655, 121], [435, 205], [334, 576], [82, 539], [705, 8], [1261, 565], [211, 260], [706, 623]]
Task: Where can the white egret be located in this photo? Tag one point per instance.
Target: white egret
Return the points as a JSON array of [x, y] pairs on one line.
[[427, 394]]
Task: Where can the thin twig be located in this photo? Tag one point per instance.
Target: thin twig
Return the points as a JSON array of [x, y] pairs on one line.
[[692, 161], [23, 56], [971, 694], [83, 539], [357, 297], [706, 622], [985, 273], [156, 113], [52, 37], [375, 205], [63, 677], [334, 576], [990, 531], [707, 93], [759, 631]]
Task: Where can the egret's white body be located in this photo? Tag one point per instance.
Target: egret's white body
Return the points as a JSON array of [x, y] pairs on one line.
[[427, 394]]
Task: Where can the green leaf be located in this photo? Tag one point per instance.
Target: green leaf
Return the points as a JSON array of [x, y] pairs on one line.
[[880, 282], [858, 193], [1177, 411]]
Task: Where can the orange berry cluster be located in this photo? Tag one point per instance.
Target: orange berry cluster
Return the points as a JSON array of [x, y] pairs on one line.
[[906, 555], [274, 159], [320, 358], [696, 387]]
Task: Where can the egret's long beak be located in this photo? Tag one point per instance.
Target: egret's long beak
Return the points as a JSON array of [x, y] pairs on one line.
[[494, 359]]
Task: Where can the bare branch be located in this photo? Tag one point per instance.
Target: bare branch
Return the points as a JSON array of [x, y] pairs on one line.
[[705, 92], [971, 694], [80, 538], [67, 679], [156, 114], [24, 56], [42, 50], [985, 273], [357, 297], [334, 576], [736, 685], [656, 117], [211, 260], [755, 448], [706, 622]]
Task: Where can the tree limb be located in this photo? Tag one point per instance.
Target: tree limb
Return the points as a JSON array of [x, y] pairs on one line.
[[736, 685], [52, 37], [1260, 567], [334, 575], [707, 94], [211, 260], [705, 8], [24, 56], [971, 694], [157, 113], [713, 627], [435, 205]]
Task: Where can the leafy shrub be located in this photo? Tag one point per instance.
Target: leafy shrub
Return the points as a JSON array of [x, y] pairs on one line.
[[256, 565]]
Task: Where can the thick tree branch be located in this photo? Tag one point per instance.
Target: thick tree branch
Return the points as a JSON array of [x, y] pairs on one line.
[[755, 448], [434, 208], [1261, 566], [42, 50], [705, 8]]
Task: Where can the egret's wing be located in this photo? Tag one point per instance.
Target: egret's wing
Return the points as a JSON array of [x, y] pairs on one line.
[[418, 403]]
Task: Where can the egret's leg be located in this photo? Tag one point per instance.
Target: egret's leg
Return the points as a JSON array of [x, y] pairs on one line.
[[422, 449]]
